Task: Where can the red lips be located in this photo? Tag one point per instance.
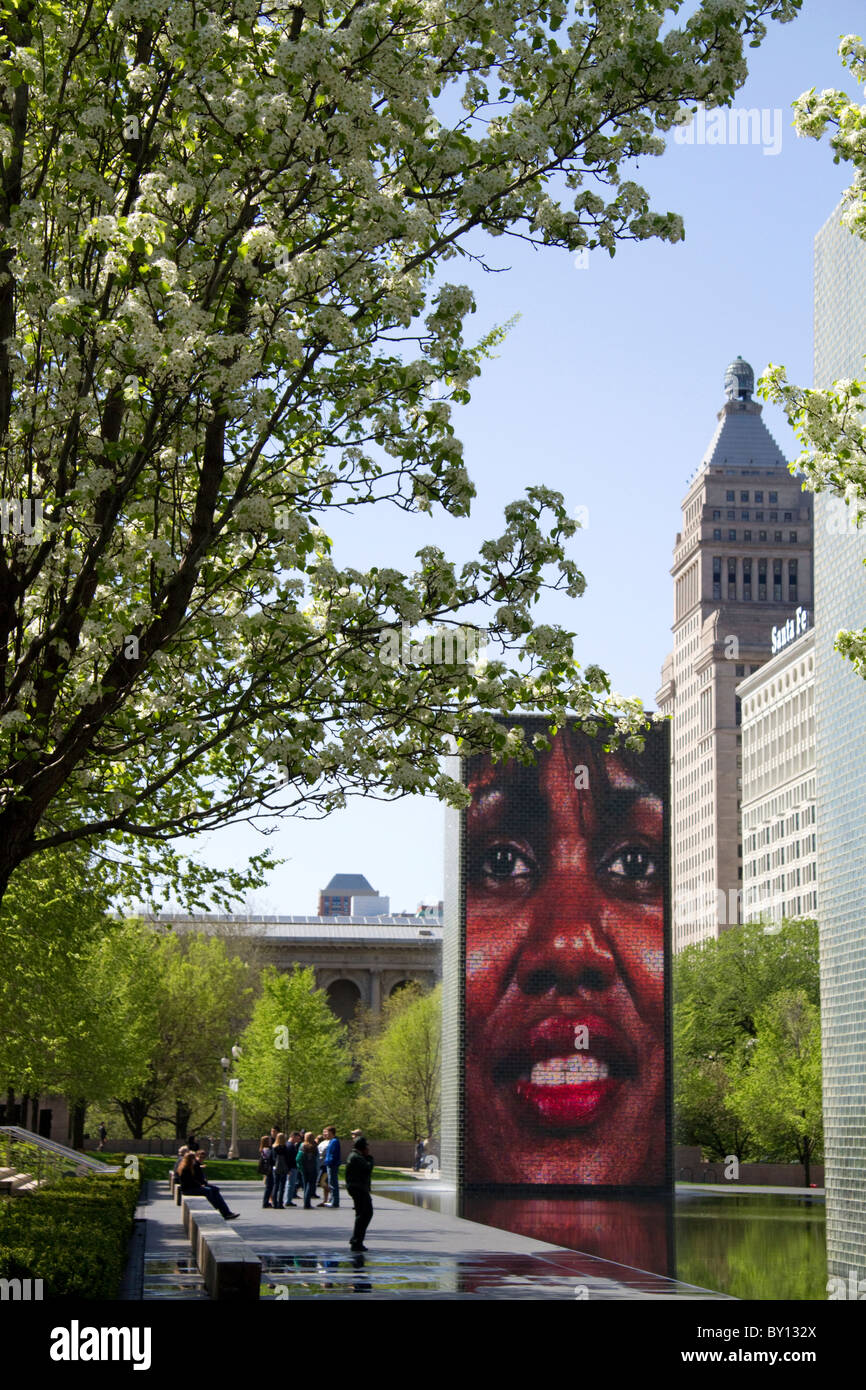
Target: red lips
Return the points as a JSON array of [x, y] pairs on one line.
[[577, 1104]]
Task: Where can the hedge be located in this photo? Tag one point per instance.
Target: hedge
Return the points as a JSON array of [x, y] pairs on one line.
[[73, 1235]]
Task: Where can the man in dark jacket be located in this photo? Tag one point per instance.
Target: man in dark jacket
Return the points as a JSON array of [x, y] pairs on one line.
[[359, 1169]]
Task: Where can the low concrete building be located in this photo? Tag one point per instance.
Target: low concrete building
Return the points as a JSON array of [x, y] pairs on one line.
[[357, 960]]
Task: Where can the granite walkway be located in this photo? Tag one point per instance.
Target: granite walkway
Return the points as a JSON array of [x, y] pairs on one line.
[[414, 1253]]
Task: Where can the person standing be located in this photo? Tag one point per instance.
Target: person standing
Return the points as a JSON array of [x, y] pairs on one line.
[[294, 1145], [322, 1145], [359, 1169], [103, 1135], [281, 1170], [308, 1166], [266, 1167], [332, 1165]]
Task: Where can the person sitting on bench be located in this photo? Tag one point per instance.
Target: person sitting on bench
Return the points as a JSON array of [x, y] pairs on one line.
[[190, 1186]]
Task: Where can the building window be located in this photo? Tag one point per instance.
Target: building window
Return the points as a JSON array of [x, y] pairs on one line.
[[759, 496], [789, 516], [717, 534], [759, 516], [774, 516], [732, 535], [732, 515], [774, 497], [717, 516], [792, 536], [744, 497], [762, 535], [741, 670], [762, 581], [792, 580], [777, 536], [747, 580], [730, 497], [777, 581], [744, 516], [732, 578], [717, 576], [747, 535]]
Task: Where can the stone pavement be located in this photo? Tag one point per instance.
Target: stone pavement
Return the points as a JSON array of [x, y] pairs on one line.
[[413, 1253]]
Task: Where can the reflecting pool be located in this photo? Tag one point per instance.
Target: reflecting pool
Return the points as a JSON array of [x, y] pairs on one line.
[[748, 1245]]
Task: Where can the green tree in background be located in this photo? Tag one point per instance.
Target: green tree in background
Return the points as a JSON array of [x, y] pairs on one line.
[[400, 1062], [720, 988], [776, 1088], [199, 997], [294, 1066], [701, 1088], [67, 1024]]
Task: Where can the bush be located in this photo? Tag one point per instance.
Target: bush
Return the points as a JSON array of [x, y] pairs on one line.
[[72, 1235]]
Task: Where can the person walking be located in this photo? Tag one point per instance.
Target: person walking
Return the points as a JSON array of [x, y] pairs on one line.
[[359, 1169], [266, 1168], [281, 1170], [191, 1186], [332, 1165], [308, 1166], [103, 1135]]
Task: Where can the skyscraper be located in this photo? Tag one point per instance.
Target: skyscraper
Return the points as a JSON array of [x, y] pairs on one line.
[[840, 732], [742, 561]]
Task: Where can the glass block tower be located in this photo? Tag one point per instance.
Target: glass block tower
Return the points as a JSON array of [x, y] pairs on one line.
[[742, 562], [840, 732]]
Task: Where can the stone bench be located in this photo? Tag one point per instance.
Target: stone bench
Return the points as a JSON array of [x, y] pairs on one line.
[[229, 1267], [13, 1182]]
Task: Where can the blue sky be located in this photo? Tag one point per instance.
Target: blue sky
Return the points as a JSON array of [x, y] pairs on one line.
[[607, 390]]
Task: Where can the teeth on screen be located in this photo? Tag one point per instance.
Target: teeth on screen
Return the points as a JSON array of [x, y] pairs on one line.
[[568, 1071]]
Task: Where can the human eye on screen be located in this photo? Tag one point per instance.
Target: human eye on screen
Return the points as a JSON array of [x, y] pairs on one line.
[[632, 868], [505, 865]]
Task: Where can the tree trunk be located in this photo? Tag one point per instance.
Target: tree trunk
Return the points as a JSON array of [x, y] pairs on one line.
[[34, 1114], [134, 1113], [77, 1112], [182, 1113], [807, 1154]]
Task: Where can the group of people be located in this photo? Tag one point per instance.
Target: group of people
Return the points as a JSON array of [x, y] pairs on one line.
[[287, 1163], [301, 1161]]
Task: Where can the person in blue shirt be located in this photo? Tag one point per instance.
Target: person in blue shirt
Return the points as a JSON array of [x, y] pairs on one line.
[[332, 1165]]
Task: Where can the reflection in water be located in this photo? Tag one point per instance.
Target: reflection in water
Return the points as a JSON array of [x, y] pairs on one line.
[[753, 1246], [637, 1233], [747, 1246]]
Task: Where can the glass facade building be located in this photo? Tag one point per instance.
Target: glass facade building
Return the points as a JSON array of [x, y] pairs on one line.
[[840, 730]]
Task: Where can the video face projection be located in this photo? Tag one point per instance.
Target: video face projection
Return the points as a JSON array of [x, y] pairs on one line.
[[566, 1045]]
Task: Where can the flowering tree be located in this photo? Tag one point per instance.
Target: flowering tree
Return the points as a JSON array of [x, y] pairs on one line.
[[219, 232], [829, 421]]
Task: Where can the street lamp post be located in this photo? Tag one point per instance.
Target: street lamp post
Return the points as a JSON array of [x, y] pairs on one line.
[[225, 1064], [233, 1087]]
